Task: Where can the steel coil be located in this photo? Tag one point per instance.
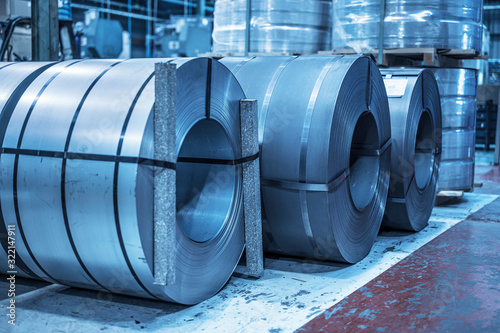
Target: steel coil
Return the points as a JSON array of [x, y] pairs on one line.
[[457, 175], [458, 144], [457, 87], [88, 222], [324, 125], [416, 142], [442, 24], [458, 111], [276, 26], [14, 77]]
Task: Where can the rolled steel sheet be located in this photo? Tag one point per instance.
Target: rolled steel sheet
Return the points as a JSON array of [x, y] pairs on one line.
[[442, 24], [416, 144], [276, 26], [458, 87], [324, 125], [458, 144], [457, 175], [14, 78], [458, 112], [89, 222]]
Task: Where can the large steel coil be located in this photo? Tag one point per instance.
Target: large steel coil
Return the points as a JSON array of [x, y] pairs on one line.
[[442, 24], [324, 127], [14, 77], [416, 144], [76, 189], [297, 26], [456, 175], [457, 87], [458, 144]]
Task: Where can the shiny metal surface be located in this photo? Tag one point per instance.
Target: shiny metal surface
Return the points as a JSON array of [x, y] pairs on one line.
[[323, 194], [443, 24], [457, 87], [416, 141], [297, 26], [97, 216], [14, 78], [458, 144], [457, 175]]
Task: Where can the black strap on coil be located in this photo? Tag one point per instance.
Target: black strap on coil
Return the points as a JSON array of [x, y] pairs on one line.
[[330, 186], [125, 159]]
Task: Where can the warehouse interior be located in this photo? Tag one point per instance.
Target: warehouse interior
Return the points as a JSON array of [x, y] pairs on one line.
[[249, 166]]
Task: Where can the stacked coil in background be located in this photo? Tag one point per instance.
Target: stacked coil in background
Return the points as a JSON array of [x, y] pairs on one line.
[[442, 24], [458, 88], [75, 137], [324, 131], [297, 26], [416, 144]]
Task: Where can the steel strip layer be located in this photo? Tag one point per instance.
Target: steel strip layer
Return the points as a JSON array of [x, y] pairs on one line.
[[88, 222], [276, 26], [443, 24], [322, 116], [416, 142], [457, 87], [14, 78]]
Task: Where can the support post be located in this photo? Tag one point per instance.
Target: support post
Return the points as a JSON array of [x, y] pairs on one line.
[[164, 120], [497, 138], [381, 33], [201, 8], [248, 18], [45, 30], [251, 188]]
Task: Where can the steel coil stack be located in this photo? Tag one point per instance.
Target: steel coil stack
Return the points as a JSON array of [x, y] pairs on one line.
[[76, 138], [442, 24], [297, 26], [416, 144], [324, 130], [458, 88]]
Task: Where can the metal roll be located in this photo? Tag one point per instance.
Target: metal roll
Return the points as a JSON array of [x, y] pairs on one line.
[[458, 144], [458, 111], [443, 24], [457, 175], [324, 127], [276, 26], [457, 87], [416, 144], [14, 78], [89, 222]]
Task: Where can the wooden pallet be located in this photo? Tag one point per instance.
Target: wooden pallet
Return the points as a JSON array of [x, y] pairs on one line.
[[417, 57], [448, 197]]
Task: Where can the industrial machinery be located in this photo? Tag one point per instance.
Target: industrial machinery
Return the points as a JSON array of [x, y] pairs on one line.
[[15, 31], [98, 37], [183, 37]]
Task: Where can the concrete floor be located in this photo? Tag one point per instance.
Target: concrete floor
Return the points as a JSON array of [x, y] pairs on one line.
[[444, 278]]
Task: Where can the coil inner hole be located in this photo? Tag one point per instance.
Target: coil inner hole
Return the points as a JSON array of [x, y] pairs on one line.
[[205, 192], [364, 166], [424, 151]]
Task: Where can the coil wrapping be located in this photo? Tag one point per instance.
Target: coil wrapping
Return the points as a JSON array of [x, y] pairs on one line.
[[87, 221], [416, 144], [276, 26], [443, 24], [324, 127], [457, 87], [456, 175]]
